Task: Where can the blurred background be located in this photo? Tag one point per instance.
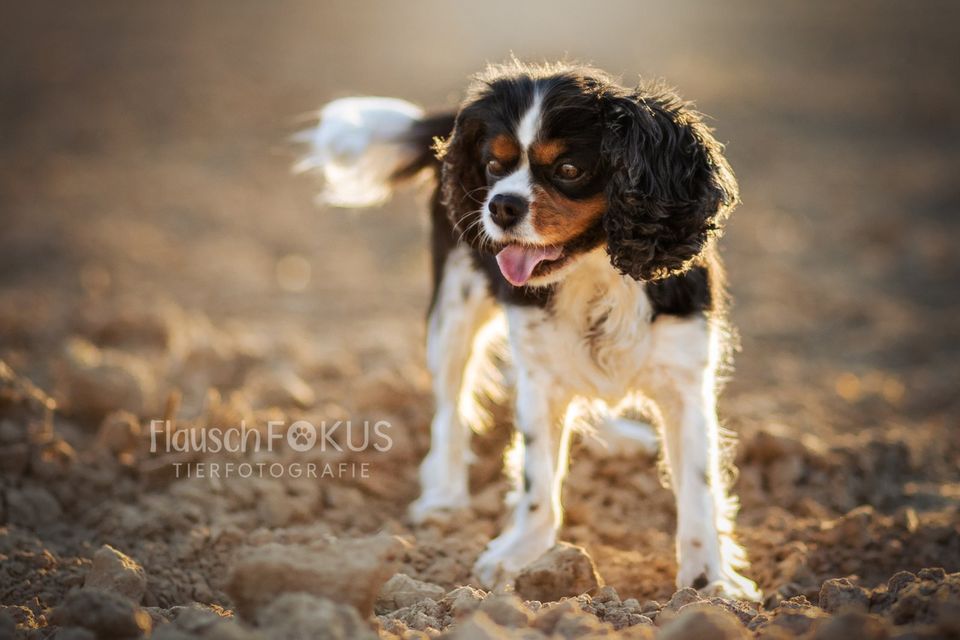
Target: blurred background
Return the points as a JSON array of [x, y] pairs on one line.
[[144, 172], [143, 152]]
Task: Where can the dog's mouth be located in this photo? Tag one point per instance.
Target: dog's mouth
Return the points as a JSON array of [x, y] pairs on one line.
[[520, 262]]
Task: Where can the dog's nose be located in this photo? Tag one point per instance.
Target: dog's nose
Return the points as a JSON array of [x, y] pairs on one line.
[[506, 209]]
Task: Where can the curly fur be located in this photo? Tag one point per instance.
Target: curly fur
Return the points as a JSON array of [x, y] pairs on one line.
[[463, 183], [670, 186]]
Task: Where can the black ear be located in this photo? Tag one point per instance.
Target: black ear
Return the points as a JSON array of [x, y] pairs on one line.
[[671, 187], [463, 182]]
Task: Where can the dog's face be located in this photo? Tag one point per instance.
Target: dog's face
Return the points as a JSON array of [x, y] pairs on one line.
[[545, 165]]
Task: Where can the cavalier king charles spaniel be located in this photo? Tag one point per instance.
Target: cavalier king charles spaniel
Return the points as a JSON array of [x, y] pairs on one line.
[[581, 217]]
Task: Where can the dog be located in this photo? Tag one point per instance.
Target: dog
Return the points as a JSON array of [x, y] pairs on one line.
[[585, 214]]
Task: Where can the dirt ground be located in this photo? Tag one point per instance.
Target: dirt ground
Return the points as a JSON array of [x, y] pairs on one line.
[[158, 260]]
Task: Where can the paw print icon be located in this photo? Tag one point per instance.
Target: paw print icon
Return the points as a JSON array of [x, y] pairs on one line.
[[301, 436]]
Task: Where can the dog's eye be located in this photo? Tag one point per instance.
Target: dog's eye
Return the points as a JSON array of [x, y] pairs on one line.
[[568, 172], [495, 167]]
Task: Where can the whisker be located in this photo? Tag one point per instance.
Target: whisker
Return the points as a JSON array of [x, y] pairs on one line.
[[472, 224], [468, 193]]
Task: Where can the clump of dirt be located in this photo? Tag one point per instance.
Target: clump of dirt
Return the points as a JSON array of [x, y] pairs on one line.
[[565, 570], [350, 571]]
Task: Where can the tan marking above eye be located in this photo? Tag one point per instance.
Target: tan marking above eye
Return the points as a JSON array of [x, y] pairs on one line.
[[558, 219], [546, 152], [504, 148]]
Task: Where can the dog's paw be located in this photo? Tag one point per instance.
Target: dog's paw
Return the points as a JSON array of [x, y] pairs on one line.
[[506, 555], [733, 586], [436, 504], [491, 571]]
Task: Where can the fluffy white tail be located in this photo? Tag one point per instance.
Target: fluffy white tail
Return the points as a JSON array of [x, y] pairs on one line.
[[362, 146]]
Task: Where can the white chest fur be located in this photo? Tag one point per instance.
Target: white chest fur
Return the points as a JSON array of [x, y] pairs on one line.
[[594, 337]]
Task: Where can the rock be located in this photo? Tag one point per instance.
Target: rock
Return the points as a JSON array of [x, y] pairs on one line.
[[231, 630], [899, 581], [853, 529], [424, 616], [852, 624], [108, 615], [563, 571], [650, 607], [463, 601], [568, 620], [32, 507], [839, 594], [18, 616], [620, 619], [402, 591], [171, 632], [607, 595], [351, 572], [119, 432], [478, 626], [741, 609], [159, 616], [294, 616], [702, 620], [194, 618], [75, 633], [797, 622], [923, 598], [607, 607], [680, 599], [97, 382], [573, 625], [117, 572], [936, 574], [620, 614], [507, 611]]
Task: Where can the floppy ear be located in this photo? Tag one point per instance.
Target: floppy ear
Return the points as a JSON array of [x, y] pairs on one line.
[[462, 179], [670, 188]]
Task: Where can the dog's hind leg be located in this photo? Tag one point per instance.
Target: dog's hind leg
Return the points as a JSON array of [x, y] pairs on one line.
[[462, 305]]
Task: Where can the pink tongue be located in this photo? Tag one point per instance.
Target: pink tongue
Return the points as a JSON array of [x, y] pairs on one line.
[[517, 262]]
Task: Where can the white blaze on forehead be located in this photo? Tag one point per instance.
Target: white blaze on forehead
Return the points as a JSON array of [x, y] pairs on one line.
[[519, 182], [529, 124]]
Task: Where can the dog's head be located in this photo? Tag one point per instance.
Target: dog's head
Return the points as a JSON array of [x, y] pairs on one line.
[[546, 164]]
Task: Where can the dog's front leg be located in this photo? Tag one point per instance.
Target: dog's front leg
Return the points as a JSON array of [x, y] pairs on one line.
[[462, 305], [537, 512], [682, 383]]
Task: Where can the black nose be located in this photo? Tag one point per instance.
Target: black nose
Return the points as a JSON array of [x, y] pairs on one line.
[[507, 209]]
